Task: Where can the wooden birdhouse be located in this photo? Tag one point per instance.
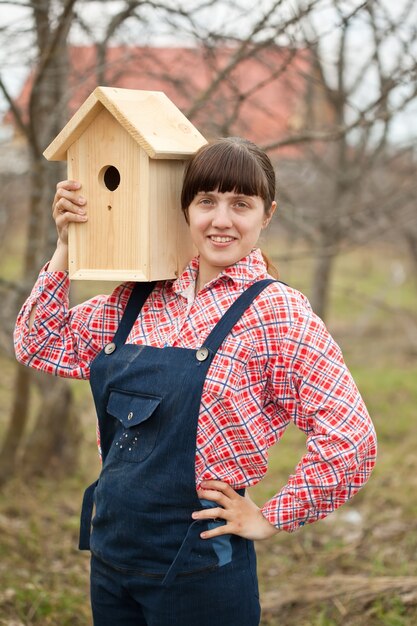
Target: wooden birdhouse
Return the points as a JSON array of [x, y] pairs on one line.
[[128, 149]]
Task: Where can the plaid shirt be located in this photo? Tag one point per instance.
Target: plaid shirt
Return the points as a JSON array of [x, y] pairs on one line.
[[278, 364]]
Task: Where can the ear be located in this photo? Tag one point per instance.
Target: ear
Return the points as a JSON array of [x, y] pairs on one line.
[[270, 214]]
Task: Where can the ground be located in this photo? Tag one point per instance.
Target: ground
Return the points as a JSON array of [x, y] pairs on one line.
[[356, 568]]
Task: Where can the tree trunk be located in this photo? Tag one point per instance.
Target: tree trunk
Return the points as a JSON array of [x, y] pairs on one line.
[[55, 437], [17, 424], [52, 447], [411, 239], [46, 118], [22, 389], [320, 290]]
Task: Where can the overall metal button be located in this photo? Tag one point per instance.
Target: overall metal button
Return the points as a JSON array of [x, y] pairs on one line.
[[129, 417], [110, 348], [202, 354]]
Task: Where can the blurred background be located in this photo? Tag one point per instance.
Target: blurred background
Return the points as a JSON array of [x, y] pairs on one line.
[[328, 88]]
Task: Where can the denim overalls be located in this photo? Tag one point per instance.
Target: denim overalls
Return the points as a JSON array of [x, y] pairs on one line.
[[148, 402]]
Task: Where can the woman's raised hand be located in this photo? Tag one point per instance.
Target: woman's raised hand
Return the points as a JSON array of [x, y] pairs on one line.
[[68, 206], [242, 516]]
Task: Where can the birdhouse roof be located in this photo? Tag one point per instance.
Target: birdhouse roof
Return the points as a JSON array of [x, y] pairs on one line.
[[150, 117]]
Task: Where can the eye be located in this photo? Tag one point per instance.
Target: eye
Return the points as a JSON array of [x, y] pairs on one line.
[[241, 204], [205, 201]]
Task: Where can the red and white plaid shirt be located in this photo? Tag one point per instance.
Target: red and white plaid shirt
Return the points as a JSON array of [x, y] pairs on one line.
[[279, 364]]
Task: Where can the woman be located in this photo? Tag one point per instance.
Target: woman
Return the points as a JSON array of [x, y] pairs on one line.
[[193, 380]]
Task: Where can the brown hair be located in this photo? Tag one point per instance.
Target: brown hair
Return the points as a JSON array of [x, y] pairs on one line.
[[270, 267], [229, 164]]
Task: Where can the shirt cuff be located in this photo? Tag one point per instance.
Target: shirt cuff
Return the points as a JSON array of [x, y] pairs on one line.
[[50, 293], [53, 285], [286, 513]]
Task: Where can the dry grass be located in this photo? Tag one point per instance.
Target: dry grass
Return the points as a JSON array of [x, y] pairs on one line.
[[357, 568]]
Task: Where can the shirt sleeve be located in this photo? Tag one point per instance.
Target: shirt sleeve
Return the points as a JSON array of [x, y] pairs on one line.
[[63, 341], [324, 402]]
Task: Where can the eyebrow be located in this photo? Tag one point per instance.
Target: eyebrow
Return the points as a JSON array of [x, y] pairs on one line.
[[213, 192]]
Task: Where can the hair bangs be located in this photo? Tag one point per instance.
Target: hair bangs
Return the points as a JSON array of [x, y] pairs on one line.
[[231, 164], [234, 170]]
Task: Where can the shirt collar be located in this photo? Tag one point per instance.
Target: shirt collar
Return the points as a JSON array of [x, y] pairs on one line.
[[249, 269]]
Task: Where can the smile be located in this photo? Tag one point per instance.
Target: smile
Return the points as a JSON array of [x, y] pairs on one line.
[[221, 239]]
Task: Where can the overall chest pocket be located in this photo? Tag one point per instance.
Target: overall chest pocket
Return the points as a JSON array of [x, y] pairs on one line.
[[139, 424]]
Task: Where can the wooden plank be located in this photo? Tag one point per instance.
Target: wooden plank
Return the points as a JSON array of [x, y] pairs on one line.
[[116, 236], [57, 150], [118, 276], [154, 122], [171, 247]]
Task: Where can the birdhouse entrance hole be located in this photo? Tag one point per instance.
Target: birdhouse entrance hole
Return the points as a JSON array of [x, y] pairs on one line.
[[110, 177]]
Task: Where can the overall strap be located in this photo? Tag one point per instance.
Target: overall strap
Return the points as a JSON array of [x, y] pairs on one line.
[[135, 303], [232, 315]]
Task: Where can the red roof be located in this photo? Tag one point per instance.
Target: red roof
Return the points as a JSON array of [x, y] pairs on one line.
[[260, 98]]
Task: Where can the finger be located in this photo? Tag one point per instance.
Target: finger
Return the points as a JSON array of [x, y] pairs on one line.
[[217, 491], [214, 496], [66, 206], [71, 196], [70, 191], [211, 513], [221, 529], [68, 184], [219, 485], [62, 220]]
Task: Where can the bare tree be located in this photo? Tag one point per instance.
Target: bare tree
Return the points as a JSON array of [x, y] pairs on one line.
[[348, 160], [341, 139], [54, 437], [48, 83], [49, 23]]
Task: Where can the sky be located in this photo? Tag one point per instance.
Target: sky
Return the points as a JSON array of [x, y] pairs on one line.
[[236, 17]]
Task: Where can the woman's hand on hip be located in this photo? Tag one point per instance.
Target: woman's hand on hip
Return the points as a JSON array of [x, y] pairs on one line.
[[242, 516], [68, 206]]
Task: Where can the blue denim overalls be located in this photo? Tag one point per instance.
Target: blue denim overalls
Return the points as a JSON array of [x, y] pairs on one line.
[[148, 402]]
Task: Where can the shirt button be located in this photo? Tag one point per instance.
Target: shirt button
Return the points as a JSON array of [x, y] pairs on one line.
[[110, 348], [202, 354], [129, 417]]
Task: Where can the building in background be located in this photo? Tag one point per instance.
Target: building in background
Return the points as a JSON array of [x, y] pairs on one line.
[[263, 94]]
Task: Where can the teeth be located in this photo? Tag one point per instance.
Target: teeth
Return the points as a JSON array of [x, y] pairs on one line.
[[221, 239]]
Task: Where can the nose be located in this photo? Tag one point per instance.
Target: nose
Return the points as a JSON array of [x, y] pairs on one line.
[[221, 218]]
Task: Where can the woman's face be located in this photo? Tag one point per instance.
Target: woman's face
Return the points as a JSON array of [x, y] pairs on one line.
[[225, 227]]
